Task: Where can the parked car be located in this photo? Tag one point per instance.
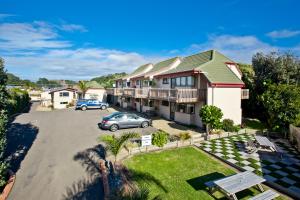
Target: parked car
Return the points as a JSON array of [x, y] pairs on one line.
[[84, 104], [118, 120]]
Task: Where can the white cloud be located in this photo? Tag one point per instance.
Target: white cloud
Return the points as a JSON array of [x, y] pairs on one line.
[[26, 36], [283, 33], [73, 27], [239, 48], [83, 63]]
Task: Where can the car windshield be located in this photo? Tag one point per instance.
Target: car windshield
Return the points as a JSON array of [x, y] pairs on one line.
[[112, 115]]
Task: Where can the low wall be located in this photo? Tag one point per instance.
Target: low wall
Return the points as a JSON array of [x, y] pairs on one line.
[[294, 136]]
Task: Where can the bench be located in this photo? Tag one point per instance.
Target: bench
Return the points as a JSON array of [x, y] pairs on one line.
[[267, 195]]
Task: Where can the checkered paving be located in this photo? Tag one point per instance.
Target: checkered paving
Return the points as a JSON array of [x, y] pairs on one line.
[[284, 171]]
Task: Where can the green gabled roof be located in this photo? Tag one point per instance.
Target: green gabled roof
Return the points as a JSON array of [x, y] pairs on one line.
[[217, 70], [211, 63], [138, 71], [160, 65]]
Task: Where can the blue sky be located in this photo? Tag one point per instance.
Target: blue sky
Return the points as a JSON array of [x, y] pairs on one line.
[[83, 39]]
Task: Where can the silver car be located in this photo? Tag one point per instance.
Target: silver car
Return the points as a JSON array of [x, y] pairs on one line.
[[118, 120]]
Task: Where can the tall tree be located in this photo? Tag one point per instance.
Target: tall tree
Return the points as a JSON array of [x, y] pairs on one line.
[[83, 87], [3, 121]]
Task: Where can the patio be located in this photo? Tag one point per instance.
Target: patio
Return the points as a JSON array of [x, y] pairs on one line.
[[284, 171]]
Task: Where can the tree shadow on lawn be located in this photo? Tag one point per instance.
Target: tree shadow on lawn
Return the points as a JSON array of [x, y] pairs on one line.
[[198, 183], [20, 138], [88, 188]]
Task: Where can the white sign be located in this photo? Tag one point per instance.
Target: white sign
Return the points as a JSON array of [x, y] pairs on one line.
[[146, 140]]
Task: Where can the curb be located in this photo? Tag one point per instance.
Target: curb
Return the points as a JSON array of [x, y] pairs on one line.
[[7, 189]]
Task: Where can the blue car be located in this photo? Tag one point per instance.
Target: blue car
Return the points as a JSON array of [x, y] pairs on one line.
[[84, 104]]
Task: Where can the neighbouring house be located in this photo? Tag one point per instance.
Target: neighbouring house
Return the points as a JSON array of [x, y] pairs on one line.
[[35, 95], [46, 98], [95, 91], [62, 98], [177, 88]]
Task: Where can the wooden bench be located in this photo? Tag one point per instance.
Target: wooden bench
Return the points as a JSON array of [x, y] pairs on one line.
[[267, 195], [251, 147]]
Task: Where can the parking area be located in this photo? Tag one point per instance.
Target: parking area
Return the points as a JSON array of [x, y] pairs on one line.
[[47, 151]]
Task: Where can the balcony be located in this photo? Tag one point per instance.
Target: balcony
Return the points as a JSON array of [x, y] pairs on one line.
[[114, 91], [175, 95], [245, 94], [178, 95]]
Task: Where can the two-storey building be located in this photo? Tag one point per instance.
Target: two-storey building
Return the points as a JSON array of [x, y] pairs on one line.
[[177, 88]]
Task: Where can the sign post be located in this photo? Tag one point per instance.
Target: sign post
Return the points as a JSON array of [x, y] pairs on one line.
[[146, 141]]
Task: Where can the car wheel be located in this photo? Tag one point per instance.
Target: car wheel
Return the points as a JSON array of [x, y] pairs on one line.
[[145, 124], [83, 108], [114, 127], [103, 107]]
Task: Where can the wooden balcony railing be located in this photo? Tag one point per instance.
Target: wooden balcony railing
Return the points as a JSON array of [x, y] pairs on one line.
[[245, 94], [114, 91], [129, 92], [176, 95]]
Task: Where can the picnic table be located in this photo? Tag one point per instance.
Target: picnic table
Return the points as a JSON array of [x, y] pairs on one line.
[[238, 182], [265, 142]]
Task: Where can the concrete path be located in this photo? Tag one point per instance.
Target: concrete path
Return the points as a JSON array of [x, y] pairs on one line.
[[47, 151]]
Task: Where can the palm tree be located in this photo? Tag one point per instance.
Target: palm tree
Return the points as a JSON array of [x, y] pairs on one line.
[[83, 87], [115, 144]]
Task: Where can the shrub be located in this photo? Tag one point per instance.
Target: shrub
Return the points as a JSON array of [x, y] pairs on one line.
[[184, 136], [160, 138], [228, 125], [18, 100], [211, 116]]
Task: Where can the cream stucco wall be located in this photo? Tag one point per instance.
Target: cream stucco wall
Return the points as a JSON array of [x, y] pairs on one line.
[[99, 94], [228, 100], [56, 100], [164, 111], [184, 118]]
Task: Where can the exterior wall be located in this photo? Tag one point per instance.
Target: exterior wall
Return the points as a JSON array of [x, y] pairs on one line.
[[235, 70], [197, 120], [56, 99], [98, 94], [145, 108], [184, 118], [159, 83], [138, 106], [228, 100], [45, 95], [124, 105], [164, 111]]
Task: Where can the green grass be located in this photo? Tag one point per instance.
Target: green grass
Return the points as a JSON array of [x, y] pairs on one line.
[[181, 173], [254, 124]]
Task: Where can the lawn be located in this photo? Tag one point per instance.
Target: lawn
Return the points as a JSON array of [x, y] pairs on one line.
[[181, 173]]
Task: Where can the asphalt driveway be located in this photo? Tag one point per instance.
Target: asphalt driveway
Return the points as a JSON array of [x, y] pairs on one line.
[[55, 154]]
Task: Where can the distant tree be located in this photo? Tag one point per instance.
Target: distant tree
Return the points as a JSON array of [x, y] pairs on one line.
[[13, 79], [211, 116], [108, 80], [115, 144], [282, 104], [3, 122], [83, 87]]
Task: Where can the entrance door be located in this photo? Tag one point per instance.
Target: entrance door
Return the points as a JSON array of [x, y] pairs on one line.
[[172, 110]]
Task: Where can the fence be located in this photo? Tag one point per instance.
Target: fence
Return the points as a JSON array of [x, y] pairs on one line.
[[295, 136]]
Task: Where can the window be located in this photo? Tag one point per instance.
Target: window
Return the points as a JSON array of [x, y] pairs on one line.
[[64, 102], [137, 82], [178, 81], [190, 109], [128, 84], [165, 103], [181, 108], [190, 81], [64, 94], [165, 81], [145, 83], [183, 81], [131, 116], [186, 108]]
